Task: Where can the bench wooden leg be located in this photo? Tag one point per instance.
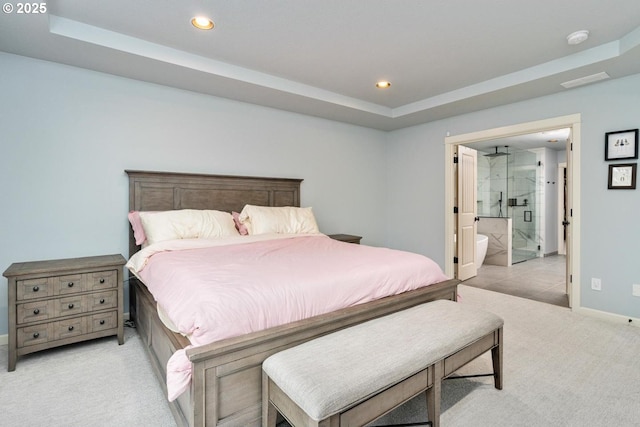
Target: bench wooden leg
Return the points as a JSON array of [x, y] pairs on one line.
[[496, 357], [269, 412], [434, 394], [270, 419]]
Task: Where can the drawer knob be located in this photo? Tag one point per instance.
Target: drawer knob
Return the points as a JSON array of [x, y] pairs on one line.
[[70, 284], [101, 300], [36, 334], [101, 280], [70, 328], [71, 305], [36, 311], [36, 288], [102, 322]]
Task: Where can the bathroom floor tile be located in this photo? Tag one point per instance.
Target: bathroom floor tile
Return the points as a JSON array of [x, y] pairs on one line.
[[540, 279]]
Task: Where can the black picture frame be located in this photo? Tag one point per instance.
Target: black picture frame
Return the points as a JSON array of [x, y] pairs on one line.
[[622, 176], [620, 145]]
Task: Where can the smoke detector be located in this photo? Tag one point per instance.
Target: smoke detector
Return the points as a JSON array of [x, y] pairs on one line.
[[577, 37]]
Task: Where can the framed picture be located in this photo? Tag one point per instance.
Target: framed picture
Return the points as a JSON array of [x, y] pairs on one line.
[[621, 145], [622, 176]]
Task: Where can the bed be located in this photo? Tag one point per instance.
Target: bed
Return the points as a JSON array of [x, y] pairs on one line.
[[225, 388]]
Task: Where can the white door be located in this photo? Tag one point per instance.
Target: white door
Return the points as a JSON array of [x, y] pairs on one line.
[[467, 212], [568, 226]]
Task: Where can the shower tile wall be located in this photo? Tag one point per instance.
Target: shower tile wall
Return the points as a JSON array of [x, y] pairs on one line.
[[499, 188], [492, 185], [484, 185]]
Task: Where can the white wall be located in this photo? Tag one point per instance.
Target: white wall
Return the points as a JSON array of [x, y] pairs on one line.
[[67, 135], [610, 234]]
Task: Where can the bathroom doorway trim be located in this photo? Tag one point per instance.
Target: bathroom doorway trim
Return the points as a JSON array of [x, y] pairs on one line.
[[573, 188]]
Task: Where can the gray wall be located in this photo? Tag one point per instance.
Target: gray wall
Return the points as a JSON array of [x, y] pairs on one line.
[[67, 135], [610, 234]]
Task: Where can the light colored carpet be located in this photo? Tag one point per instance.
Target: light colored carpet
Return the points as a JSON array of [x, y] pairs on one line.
[[560, 369], [97, 383]]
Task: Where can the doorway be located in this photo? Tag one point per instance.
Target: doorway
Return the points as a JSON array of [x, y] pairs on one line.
[[571, 227]]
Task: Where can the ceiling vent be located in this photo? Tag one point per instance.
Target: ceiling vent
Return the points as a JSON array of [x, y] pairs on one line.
[[585, 80]]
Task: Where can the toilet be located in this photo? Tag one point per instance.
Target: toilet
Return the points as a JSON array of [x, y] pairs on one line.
[[482, 242]]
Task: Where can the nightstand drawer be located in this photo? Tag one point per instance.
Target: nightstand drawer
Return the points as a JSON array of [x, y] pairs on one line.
[[102, 321], [67, 306], [32, 335], [35, 311], [69, 328], [33, 288], [103, 280], [102, 300], [71, 284]]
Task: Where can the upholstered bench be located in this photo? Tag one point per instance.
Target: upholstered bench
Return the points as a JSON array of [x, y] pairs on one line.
[[355, 375]]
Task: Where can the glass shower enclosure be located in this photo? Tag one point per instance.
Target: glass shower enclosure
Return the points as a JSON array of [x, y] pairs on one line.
[[509, 185]]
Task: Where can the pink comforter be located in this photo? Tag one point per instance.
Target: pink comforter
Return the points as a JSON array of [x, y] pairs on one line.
[[218, 292]]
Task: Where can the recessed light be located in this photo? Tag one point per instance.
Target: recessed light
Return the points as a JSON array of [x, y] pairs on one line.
[[383, 85], [202, 23], [577, 37]]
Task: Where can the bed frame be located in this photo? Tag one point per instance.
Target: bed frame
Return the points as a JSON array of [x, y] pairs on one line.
[[226, 381]]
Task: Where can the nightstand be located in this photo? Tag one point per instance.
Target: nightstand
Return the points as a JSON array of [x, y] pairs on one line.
[[58, 302], [346, 238]]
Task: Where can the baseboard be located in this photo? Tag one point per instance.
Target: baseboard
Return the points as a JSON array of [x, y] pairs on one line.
[[4, 339], [633, 321]]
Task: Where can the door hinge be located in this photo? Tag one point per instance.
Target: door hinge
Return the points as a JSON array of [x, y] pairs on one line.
[[571, 212], [455, 259], [571, 278], [455, 209], [538, 247], [455, 159], [571, 147]]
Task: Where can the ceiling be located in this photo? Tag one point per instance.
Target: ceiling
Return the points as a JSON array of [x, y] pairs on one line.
[[323, 57]]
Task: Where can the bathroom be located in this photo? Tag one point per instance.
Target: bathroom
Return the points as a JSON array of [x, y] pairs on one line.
[[517, 203]]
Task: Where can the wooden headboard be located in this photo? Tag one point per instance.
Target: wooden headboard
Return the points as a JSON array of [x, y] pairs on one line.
[[163, 191]]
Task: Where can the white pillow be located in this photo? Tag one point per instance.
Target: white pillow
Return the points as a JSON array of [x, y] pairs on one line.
[[187, 224], [284, 220]]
